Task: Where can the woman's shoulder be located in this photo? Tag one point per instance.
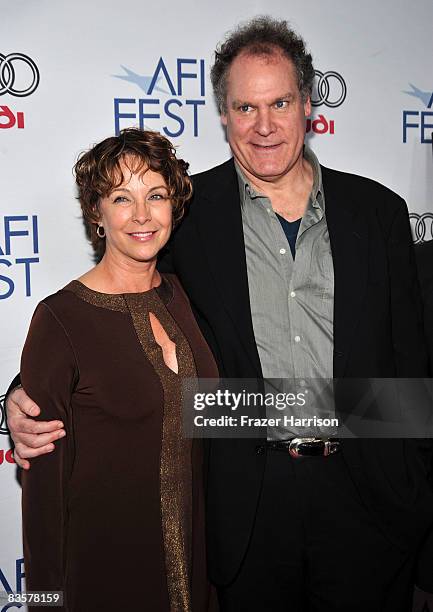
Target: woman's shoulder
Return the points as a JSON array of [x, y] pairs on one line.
[[62, 294], [60, 302]]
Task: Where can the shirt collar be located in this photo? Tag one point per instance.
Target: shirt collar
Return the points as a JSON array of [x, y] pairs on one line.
[[317, 195], [317, 198]]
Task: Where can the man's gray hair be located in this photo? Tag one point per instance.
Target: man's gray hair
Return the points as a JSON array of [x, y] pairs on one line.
[[263, 35]]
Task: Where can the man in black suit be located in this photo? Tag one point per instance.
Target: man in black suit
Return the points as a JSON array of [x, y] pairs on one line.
[[301, 521]]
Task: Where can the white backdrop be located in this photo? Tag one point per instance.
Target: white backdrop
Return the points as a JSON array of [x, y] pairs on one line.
[[378, 51]]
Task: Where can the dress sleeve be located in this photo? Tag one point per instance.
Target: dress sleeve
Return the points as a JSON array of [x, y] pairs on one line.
[[49, 373]]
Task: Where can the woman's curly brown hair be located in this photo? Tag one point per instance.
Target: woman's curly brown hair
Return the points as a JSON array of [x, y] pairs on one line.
[[98, 173]]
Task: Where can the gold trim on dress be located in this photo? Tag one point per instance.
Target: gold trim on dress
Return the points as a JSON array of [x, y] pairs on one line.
[[175, 460]]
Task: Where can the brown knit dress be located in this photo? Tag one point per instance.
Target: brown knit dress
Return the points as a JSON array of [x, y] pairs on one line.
[[114, 516]]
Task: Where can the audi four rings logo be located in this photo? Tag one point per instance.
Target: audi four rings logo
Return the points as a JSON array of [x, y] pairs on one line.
[[422, 226], [329, 89], [3, 428], [15, 80]]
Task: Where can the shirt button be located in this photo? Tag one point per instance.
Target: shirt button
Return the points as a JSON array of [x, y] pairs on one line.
[[282, 251], [293, 294], [297, 338]]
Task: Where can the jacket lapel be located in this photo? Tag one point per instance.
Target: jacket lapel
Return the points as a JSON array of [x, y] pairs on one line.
[[349, 244], [221, 232]]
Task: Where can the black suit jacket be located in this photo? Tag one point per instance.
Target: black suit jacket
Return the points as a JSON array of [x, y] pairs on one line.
[[377, 333], [424, 259]]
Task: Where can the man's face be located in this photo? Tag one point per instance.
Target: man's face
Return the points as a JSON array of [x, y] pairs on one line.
[[265, 116]]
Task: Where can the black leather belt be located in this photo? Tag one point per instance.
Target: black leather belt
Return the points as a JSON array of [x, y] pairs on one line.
[[306, 447]]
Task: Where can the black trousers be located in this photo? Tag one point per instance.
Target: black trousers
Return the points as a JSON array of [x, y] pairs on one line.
[[315, 547]]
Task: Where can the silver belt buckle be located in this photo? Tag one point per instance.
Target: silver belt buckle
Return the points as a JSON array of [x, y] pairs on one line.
[[329, 446], [295, 444]]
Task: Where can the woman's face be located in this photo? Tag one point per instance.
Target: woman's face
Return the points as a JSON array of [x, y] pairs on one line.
[[137, 216]]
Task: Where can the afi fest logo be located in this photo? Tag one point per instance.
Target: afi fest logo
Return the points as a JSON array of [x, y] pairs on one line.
[[19, 77], [329, 89], [12, 580], [420, 122], [422, 227], [171, 97], [19, 250]]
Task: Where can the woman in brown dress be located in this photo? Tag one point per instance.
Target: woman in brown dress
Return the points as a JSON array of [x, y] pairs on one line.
[[114, 517]]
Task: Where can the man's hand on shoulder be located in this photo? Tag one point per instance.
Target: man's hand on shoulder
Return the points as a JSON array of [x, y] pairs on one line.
[[31, 438]]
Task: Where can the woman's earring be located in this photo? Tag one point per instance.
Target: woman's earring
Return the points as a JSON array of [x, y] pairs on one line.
[[100, 231]]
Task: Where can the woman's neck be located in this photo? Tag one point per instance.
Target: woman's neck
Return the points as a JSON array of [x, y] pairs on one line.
[[117, 275]]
